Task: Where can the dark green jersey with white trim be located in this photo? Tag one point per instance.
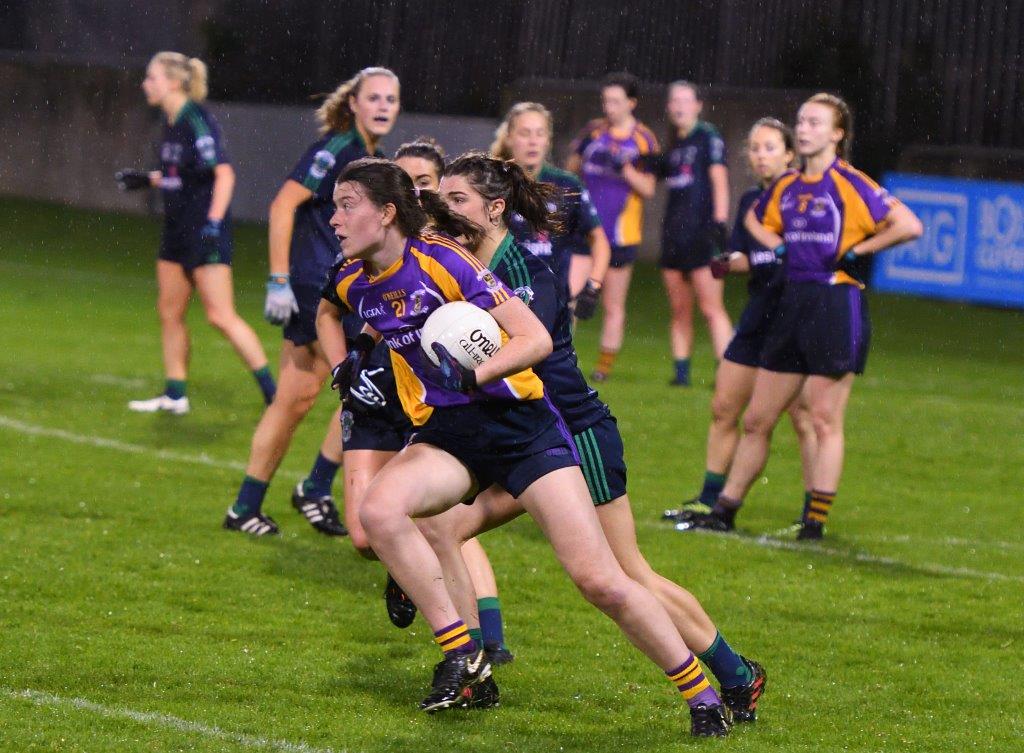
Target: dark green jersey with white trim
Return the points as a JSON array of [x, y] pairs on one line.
[[192, 147]]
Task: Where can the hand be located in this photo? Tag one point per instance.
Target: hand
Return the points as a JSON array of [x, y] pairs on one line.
[[280, 303], [847, 263], [209, 240], [718, 236], [719, 266], [132, 180], [454, 376], [586, 300], [345, 372]]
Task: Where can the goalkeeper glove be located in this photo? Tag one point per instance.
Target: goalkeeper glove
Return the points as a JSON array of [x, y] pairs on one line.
[[280, 303], [132, 180], [586, 300]]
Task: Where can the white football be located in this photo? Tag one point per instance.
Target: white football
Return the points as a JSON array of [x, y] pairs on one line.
[[468, 332]]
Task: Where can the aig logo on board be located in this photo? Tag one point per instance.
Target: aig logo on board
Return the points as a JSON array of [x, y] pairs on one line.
[[940, 255]]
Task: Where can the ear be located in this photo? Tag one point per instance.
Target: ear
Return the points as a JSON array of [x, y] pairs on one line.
[[387, 214], [497, 207]]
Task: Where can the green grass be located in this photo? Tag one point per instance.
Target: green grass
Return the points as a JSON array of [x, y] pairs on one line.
[[118, 588]]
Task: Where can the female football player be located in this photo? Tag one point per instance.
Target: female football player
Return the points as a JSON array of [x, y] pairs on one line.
[[821, 220], [475, 428], [484, 191], [525, 137], [693, 229], [770, 150], [353, 119], [196, 181], [605, 156]]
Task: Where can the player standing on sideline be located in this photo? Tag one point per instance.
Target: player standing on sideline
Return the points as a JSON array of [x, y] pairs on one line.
[[375, 428], [489, 193], [474, 427], [353, 119], [605, 155], [196, 182], [693, 229], [821, 220], [524, 137], [770, 150]]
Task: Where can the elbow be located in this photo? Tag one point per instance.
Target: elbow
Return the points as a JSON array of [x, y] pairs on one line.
[[542, 347], [915, 229]]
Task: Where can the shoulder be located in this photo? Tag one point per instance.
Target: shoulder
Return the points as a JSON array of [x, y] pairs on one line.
[[708, 130], [749, 196], [335, 142], [863, 183], [346, 269], [560, 177], [646, 141], [199, 119], [443, 249]]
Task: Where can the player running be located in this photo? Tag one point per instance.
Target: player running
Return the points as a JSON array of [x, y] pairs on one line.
[[353, 119], [770, 150], [693, 229], [196, 181], [474, 427], [485, 191], [821, 221], [524, 137], [605, 155]]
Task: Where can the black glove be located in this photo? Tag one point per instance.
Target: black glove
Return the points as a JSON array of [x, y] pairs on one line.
[[718, 238], [132, 180], [454, 376], [345, 372], [586, 300], [848, 263]]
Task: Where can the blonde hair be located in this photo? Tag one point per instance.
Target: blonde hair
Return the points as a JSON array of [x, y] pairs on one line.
[[191, 72], [500, 148], [335, 114], [842, 118]]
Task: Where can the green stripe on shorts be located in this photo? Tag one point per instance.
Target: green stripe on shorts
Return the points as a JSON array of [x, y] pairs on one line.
[[592, 466]]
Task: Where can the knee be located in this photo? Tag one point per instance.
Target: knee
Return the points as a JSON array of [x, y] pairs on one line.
[[825, 423], [758, 422], [169, 313], [361, 542], [377, 518], [607, 593], [219, 319], [711, 309], [724, 410]]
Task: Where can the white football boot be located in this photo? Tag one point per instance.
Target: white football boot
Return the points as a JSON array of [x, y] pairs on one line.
[[177, 407]]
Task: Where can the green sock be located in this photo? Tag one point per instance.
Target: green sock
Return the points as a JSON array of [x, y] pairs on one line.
[[477, 635], [175, 389]]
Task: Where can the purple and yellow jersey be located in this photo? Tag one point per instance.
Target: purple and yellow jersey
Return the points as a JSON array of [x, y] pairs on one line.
[[820, 219], [620, 207], [434, 270]]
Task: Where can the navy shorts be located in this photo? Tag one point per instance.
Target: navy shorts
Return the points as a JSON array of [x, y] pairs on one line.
[[301, 328], [819, 329], [685, 253], [183, 245], [623, 256], [511, 444], [602, 460], [752, 329]]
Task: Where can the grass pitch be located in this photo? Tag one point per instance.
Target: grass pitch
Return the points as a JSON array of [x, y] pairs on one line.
[[131, 622]]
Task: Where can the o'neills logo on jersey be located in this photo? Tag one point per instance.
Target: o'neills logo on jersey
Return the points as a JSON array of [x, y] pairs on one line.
[[479, 346], [809, 236], [403, 339]]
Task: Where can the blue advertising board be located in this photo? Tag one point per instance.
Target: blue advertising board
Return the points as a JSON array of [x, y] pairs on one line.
[[973, 243]]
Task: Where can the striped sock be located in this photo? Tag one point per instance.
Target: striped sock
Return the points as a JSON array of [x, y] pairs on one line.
[[819, 507], [605, 361], [250, 496], [455, 639], [692, 683], [321, 477], [491, 625]]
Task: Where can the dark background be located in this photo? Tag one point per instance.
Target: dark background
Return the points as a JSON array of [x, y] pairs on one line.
[[942, 73]]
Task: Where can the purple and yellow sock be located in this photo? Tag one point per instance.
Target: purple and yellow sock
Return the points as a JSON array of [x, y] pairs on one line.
[[692, 683], [455, 639], [819, 506]]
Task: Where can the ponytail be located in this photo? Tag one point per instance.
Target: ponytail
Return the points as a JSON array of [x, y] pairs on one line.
[[387, 183], [842, 119], [335, 114], [190, 72], [496, 179]]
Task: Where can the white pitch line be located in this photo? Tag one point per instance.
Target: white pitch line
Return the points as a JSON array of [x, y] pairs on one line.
[[114, 444], [944, 541], [119, 381], [153, 719]]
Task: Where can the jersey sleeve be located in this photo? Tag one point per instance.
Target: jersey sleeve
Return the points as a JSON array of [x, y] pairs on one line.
[[473, 280], [716, 149], [878, 200], [208, 140], [584, 215], [583, 138], [767, 208], [739, 239], [314, 166], [336, 278]]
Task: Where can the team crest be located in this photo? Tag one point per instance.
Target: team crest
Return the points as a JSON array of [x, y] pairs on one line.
[[323, 161], [416, 301], [206, 148], [525, 294], [489, 280]]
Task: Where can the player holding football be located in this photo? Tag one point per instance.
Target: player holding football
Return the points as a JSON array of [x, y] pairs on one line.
[[693, 229], [821, 221], [770, 150], [474, 427], [606, 156], [524, 137], [196, 181], [353, 119]]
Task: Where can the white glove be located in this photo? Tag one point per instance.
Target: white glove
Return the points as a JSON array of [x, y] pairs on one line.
[[281, 303]]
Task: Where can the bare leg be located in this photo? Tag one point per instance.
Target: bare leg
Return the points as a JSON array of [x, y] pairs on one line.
[[800, 415], [213, 281], [614, 293], [174, 290], [302, 374], [480, 570], [331, 447], [773, 392], [734, 384], [360, 468], [680, 304], [709, 296], [827, 398]]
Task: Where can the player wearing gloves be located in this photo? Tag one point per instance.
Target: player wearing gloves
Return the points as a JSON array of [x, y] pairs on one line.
[[693, 230], [302, 249], [196, 181]]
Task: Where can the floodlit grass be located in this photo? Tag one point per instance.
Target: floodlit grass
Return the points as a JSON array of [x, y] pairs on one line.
[[131, 622]]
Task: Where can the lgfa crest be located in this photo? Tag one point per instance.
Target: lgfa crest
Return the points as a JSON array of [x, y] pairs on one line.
[[489, 280]]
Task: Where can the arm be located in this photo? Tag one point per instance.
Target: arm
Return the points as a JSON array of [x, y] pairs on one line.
[[641, 182], [738, 262], [529, 342], [719, 175], [761, 234], [899, 226], [600, 253], [330, 333], [223, 188], [282, 222]]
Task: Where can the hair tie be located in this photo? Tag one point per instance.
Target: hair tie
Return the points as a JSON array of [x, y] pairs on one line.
[[416, 190]]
